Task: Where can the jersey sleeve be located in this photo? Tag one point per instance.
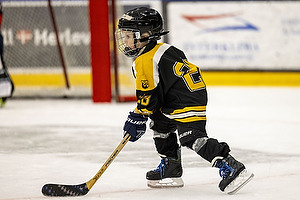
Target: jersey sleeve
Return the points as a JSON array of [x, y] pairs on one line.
[[147, 79]]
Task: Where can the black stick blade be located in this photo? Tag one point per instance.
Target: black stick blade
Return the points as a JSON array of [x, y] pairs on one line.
[[57, 190]]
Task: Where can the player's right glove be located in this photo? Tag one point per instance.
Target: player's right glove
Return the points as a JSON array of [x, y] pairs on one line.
[[135, 125]]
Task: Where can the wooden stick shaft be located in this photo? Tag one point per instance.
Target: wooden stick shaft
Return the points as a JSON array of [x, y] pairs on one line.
[[114, 154]]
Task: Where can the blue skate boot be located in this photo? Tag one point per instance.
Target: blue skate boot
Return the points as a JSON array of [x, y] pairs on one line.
[[167, 174], [233, 173]]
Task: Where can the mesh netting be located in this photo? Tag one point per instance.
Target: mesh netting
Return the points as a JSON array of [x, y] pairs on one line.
[[30, 45]]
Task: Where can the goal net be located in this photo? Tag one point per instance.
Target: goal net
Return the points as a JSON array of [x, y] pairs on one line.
[[41, 66], [31, 51]]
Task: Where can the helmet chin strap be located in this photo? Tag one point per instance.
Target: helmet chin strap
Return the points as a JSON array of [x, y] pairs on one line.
[[137, 50], [132, 52], [154, 36]]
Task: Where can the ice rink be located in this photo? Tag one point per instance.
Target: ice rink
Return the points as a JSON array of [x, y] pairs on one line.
[[67, 141]]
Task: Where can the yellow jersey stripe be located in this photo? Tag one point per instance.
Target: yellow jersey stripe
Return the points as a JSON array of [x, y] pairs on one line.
[[188, 109], [143, 111], [188, 114], [191, 119]]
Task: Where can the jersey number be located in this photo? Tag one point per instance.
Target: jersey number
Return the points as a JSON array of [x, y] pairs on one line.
[[191, 75]]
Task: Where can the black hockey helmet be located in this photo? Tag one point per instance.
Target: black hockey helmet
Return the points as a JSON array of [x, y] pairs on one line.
[[139, 21], [144, 19]]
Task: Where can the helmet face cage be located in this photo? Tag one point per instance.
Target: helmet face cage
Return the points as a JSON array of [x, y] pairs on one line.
[[128, 41]]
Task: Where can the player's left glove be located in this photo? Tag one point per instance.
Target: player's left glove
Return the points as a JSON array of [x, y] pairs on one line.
[[135, 125]]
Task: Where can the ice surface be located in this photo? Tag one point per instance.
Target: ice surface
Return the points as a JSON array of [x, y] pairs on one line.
[[67, 141]]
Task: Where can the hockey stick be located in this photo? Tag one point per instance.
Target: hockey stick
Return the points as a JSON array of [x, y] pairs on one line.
[[84, 188]]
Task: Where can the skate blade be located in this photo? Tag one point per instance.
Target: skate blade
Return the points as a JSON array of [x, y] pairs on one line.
[[243, 178], [166, 183]]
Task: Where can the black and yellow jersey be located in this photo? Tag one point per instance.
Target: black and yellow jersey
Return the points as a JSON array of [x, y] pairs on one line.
[[167, 82]]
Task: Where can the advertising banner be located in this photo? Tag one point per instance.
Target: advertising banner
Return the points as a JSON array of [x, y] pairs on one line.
[[240, 35]]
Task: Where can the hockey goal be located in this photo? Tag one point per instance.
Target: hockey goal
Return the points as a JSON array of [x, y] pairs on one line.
[[32, 53], [81, 63]]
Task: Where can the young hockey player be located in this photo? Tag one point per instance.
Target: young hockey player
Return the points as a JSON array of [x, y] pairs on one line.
[[171, 92], [6, 84]]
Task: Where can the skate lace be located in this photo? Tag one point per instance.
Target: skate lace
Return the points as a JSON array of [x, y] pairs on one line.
[[225, 170], [161, 167]]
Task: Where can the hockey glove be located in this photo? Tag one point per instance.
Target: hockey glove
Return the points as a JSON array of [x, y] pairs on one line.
[[135, 125]]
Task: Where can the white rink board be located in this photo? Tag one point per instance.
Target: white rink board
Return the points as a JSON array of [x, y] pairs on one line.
[[237, 35]]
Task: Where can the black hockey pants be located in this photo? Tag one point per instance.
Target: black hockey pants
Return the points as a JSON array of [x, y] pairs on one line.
[[191, 135]]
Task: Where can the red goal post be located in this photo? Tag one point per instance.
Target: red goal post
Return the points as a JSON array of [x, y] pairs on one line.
[[100, 51], [111, 71]]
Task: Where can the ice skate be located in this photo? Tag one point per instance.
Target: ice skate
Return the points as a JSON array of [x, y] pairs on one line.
[[167, 174], [233, 173]]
